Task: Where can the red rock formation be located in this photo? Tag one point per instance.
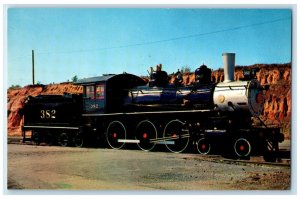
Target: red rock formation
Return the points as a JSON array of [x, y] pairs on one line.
[[277, 107]]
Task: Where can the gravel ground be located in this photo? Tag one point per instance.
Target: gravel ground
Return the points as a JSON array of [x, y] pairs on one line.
[[59, 168]]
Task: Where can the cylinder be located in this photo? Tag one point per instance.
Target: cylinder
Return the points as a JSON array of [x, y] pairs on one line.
[[229, 62]]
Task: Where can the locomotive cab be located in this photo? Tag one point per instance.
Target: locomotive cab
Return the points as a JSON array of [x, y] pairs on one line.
[[104, 94]]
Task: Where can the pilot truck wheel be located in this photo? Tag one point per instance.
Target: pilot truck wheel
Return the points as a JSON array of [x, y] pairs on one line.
[[242, 147], [203, 146]]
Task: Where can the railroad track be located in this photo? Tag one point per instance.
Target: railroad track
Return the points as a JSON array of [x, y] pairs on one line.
[[254, 160], [283, 163]]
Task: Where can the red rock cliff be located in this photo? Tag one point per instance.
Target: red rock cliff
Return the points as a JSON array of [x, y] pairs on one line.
[[277, 107]]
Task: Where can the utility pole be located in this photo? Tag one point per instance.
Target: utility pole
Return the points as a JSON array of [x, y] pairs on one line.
[[32, 67]]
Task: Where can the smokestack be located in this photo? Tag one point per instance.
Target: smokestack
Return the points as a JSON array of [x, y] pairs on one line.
[[229, 62]]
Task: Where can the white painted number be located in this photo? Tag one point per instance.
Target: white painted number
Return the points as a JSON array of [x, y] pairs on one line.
[[48, 114]]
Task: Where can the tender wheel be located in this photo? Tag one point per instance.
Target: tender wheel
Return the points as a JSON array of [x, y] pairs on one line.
[[176, 137], [271, 148], [36, 138], [242, 147], [116, 135], [78, 140], [63, 139], [146, 133], [48, 139], [203, 146]]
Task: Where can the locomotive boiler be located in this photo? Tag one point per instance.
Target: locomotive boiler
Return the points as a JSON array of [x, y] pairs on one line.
[[238, 96], [124, 109]]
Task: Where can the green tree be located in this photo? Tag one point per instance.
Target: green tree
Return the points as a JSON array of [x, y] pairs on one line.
[[14, 86], [185, 69], [75, 79]]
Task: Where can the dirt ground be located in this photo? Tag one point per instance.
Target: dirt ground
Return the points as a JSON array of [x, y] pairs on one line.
[[58, 168]]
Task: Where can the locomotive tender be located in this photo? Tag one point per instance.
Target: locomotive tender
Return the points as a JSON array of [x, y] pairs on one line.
[[124, 109]]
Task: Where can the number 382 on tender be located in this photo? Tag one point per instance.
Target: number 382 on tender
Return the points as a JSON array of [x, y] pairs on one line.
[[48, 114]]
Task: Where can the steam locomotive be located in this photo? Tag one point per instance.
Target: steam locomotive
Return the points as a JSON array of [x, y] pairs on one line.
[[124, 109]]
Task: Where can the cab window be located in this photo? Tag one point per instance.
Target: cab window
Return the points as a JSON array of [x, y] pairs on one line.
[[94, 91], [100, 91], [90, 92]]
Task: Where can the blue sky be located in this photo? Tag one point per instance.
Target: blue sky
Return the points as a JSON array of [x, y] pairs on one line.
[[93, 41]]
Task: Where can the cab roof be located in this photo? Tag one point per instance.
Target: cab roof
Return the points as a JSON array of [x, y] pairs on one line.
[[119, 78], [91, 80]]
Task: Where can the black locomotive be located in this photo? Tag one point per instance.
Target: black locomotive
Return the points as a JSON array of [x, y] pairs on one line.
[[124, 109]]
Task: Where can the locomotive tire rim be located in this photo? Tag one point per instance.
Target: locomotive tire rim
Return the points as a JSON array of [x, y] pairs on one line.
[[63, 139], [78, 140], [115, 135], [203, 146], [146, 136], [49, 139], [242, 147], [36, 138], [169, 147]]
